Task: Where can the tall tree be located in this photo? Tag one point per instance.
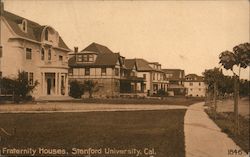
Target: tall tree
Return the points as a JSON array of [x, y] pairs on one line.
[[91, 87], [240, 57], [213, 78]]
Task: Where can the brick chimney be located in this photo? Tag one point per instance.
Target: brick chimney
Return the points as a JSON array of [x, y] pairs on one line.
[[76, 49], [1, 8]]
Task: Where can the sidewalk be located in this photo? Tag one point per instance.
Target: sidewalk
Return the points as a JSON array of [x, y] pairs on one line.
[[203, 138]]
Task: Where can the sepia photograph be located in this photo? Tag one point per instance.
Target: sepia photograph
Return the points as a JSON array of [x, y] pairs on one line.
[[125, 78]]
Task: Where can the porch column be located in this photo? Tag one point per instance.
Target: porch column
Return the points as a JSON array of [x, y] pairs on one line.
[[43, 83], [66, 85], [56, 83], [142, 87], [135, 87], [59, 89]]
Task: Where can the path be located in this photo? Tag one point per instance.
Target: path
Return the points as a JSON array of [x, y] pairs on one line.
[[203, 138]]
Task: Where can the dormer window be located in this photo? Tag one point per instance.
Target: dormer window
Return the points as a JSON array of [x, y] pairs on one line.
[[46, 34], [91, 58], [24, 26], [79, 58]]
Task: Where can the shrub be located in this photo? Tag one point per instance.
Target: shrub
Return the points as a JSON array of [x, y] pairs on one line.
[[76, 89], [19, 87]]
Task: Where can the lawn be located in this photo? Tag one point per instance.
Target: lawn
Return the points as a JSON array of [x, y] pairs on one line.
[[186, 101], [225, 121], [161, 130]]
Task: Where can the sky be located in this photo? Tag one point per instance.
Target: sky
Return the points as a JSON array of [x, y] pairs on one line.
[[187, 35]]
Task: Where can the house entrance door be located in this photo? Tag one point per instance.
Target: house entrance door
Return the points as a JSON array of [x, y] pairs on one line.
[[48, 86]]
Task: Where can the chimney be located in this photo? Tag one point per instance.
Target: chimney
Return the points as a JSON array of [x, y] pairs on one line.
[[76, 49], [1, 8]]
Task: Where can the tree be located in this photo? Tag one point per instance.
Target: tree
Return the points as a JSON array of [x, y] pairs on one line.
[[90, 86], [244, 87], [213, 78], [20, 86], [240, 57], [162, 93], [23, 86], [76, 89]]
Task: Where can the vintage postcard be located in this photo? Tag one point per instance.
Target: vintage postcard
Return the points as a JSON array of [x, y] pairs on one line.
[[129, 78]]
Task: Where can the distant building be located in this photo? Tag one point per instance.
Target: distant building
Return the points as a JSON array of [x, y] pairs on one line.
[[153, 75], [175, 78], [98, 63], [38, 50], [195, 85]]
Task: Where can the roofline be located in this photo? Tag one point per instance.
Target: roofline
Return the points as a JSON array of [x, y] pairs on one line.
[[150, 71], [91, 66], [19, 37]]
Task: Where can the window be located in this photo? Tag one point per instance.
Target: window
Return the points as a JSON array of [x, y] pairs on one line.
[[116, 72], [85, 58], [60, 58], [42, 54], [24, 26], [103, 71], [49, 55], [79, 58], [144, 76], [70, 71], [199, 84], [88, 58], [199, 89], [46, 34], [191, 89], [28, 53], [31, 78], [191, 83], [1, 74], [1, 51], [91, 58], [87, 71]]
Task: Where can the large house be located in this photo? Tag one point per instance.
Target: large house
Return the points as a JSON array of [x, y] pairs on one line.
[[36, 49], [195, 85], [108, 69], [153, 75], [175, 79]]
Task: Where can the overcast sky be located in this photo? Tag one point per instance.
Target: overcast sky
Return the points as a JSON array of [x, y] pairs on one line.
[[178, 34]]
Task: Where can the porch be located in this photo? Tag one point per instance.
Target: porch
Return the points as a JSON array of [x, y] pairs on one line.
[[132, 86], [54, 84]]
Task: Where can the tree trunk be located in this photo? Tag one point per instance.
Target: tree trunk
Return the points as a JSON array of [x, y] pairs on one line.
[[215, 98], [236, 98]]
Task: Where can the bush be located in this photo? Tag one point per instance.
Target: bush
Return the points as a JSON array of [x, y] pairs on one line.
[[76, 89], [19, 87]]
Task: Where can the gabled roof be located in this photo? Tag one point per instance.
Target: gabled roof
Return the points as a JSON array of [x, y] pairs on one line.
[[143, 65], [34, 30], [193, 78], [129, 63], [98, 48], [102, 60]]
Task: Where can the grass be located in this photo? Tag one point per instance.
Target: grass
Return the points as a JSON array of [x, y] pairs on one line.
[[225, 121], [161, 130], [155, 100]]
